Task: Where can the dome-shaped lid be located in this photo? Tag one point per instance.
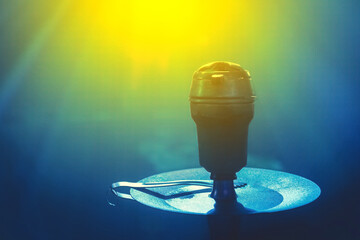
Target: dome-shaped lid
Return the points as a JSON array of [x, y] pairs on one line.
[[222, 80]]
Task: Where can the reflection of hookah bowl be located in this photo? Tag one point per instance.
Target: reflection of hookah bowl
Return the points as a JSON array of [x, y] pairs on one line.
[[222, 106]]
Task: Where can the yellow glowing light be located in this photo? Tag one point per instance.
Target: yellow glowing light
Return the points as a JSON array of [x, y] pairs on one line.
[[154, 31]]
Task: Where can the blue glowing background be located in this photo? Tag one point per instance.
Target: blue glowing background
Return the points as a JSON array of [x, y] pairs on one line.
[[65, 135]]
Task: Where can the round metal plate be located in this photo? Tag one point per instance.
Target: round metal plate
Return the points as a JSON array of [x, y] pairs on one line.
[[266, 191]]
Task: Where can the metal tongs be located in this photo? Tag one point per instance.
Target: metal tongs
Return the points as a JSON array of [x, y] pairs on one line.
[[205, 184]]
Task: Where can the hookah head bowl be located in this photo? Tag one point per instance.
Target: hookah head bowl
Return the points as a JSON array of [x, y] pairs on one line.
[[222, 106]]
